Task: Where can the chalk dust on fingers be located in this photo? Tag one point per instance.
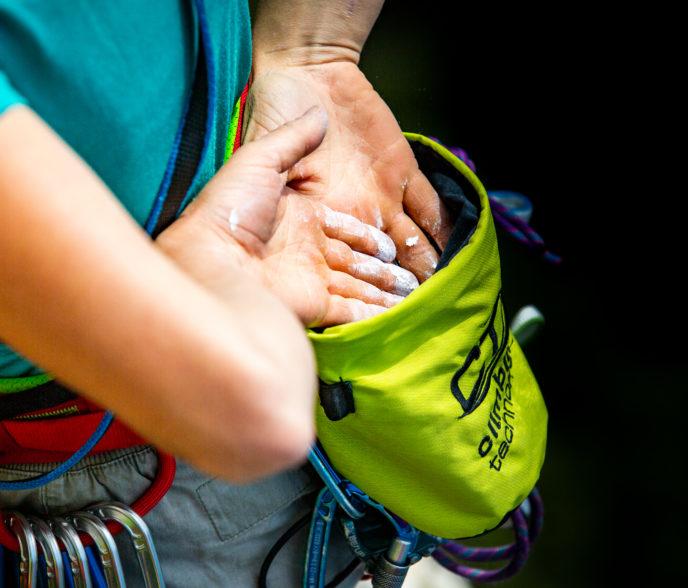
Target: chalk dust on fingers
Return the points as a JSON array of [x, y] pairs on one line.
[[348, 228], [371, 269]]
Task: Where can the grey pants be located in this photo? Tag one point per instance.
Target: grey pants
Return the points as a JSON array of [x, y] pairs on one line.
[[206, 532]]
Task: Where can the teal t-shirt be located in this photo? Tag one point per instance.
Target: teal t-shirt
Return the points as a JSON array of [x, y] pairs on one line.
[[112, 79]]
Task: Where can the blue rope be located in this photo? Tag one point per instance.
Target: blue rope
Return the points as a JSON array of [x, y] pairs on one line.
[[38, 481]]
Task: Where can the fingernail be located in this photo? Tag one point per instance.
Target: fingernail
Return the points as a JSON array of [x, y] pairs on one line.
[[315, 112]]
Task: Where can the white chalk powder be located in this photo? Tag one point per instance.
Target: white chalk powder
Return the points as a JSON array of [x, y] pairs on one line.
[[233, 220], [386, 251]]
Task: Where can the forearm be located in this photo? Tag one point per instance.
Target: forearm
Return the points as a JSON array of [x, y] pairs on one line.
[[225, 384], [308, 32]]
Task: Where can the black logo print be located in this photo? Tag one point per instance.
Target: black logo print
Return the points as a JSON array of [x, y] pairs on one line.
[[469, 387]]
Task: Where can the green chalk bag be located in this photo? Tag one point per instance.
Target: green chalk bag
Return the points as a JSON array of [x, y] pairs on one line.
[[431, 408]]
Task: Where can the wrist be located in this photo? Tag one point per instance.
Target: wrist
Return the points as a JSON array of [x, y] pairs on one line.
[[311, 32]]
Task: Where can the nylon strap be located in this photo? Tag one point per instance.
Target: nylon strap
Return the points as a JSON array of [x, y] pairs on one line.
[[190, 141]]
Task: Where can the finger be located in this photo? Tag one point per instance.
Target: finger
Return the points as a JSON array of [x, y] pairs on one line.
[[425, 207], [286, 145], [386, 276], [347, 286], [414, 251], [347, 310], [358, 235]]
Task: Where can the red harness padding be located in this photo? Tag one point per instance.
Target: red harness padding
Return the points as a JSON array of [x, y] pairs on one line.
[[240, 120], [163, 480], [40, 437]]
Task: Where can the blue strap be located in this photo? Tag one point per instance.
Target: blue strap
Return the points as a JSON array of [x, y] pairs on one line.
[[97, 576], [42, 575], [193, 136], [67, 567]]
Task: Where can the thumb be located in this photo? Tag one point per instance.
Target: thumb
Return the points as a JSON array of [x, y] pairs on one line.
[[245, 193], [286, 145]]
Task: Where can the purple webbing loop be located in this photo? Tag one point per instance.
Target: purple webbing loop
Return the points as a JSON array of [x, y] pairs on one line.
[[460, 153], [520, 230], [505, 219], [526, 534]]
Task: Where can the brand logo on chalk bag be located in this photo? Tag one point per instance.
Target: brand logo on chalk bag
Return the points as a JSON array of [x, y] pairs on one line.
[[471, 381]]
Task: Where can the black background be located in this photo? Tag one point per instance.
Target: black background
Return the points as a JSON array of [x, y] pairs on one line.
[[557, 105]]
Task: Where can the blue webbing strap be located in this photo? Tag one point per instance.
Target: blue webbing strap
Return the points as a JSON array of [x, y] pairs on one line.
[[192, 139], [67, 567], [97, 576]]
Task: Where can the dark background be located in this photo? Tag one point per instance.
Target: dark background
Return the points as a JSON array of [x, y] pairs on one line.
[[553, 105]]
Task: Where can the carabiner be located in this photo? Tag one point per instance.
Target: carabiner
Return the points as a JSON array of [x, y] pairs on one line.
[[107, 548], [28, 554], [78, 562], [333, 480], [318, 539], [141, 539], [54, 570]]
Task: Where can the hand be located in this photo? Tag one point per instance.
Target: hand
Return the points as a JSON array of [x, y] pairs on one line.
[[364, 165], [328, 267]]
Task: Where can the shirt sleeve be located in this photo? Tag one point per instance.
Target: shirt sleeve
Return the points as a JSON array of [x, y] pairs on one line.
[[8, 95]]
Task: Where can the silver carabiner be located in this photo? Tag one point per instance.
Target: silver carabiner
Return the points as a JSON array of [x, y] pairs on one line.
[[107, 548], [28, 554], [51, 552], [141, 539], [75, 552]]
